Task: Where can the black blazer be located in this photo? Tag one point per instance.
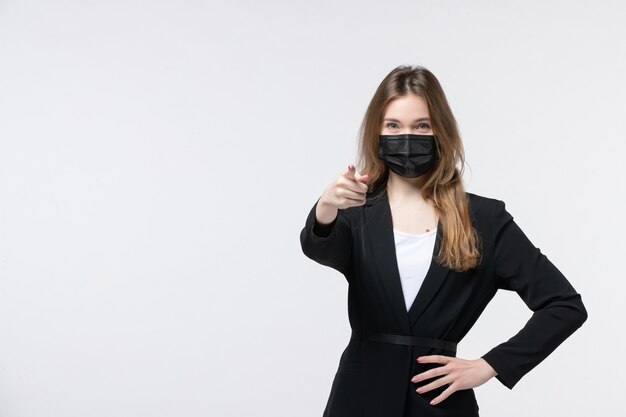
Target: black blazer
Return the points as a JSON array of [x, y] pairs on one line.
[[373, 377]]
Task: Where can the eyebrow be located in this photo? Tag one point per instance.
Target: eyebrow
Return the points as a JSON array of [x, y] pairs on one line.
[[423, 119]]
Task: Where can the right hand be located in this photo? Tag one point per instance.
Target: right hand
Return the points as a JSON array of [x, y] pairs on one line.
[[348, 190]]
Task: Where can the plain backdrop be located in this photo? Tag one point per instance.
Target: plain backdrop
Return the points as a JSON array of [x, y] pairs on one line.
[[158, 160]]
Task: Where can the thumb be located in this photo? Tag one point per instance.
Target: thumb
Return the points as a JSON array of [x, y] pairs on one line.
[[361, 177]]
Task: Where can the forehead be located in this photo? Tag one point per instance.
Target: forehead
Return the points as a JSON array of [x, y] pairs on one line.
[[406, 107]]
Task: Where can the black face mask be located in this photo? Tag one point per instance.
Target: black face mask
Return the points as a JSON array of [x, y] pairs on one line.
[[408, 155]]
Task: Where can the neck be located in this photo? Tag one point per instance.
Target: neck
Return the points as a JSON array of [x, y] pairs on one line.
[[401, 189]]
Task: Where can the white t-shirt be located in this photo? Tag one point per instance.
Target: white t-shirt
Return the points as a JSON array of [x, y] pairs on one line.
[[414, 254]]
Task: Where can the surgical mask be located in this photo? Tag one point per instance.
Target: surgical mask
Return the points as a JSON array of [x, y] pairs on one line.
[[408, 155]]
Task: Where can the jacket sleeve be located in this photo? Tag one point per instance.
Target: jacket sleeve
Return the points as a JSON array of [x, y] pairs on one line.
[[557, 308], [329, 245]]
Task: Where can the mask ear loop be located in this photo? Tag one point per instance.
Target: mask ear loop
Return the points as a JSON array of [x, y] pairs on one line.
[[437, 149]]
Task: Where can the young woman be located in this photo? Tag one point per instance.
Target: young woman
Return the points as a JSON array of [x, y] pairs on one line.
[[423, 258]]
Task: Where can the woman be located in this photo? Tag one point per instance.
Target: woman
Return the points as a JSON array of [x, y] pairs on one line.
[[423, 258]]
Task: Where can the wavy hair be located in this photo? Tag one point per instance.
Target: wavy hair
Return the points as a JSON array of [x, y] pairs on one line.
[[461, 247]]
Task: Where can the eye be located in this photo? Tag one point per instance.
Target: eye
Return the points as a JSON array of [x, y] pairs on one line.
[[389, 125], [424, 125]]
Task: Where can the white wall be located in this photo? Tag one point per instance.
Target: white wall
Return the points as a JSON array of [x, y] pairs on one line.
[[158, 159]]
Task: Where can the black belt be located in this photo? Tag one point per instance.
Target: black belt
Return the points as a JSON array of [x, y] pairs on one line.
[[400, 339]]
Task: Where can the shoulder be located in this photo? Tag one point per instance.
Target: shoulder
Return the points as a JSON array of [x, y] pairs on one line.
[[481, 202], [484, 207]]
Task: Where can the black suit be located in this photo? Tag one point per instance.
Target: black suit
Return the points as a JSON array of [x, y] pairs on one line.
[[373, 376]]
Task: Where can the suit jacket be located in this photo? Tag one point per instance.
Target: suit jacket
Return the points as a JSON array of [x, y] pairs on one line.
[[373, 377]]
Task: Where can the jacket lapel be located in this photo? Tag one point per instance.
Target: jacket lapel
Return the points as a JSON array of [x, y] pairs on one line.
[[378, 229]]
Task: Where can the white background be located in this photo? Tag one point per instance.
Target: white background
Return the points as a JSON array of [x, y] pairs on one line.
[[158, 160]]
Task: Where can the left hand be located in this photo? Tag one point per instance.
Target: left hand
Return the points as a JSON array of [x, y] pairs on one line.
[[458, 373]]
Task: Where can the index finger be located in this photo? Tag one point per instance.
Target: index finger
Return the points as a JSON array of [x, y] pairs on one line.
[[353, 183], [349, 173]]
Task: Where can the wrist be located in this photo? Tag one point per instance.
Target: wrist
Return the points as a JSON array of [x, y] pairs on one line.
[[489, 369], [323, 203], [325, 213]]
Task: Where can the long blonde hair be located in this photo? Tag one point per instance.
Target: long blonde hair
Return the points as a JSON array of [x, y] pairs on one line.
[[461, 247]]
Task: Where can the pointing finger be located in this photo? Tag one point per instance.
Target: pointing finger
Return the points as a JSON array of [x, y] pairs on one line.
[[349, 173]]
